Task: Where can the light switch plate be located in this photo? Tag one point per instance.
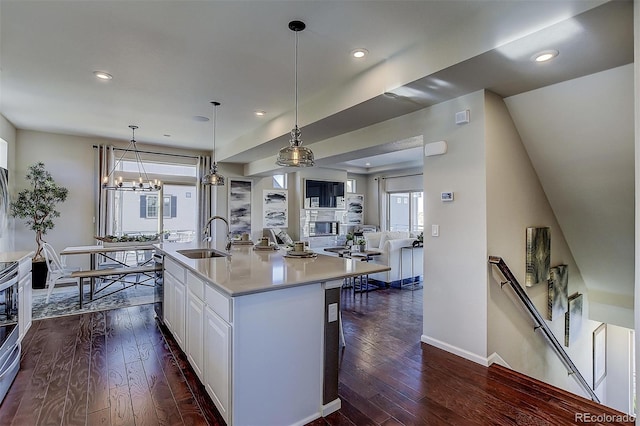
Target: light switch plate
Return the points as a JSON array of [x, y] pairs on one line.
[[435, 230], [333, 312]]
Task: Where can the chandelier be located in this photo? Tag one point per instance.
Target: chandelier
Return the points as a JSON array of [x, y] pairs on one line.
[[214, 178], [143, 183], [295, 155]]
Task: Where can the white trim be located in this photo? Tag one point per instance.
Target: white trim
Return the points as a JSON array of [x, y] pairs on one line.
[[494, 358], [455, 350], [331, 407], [308, 420]]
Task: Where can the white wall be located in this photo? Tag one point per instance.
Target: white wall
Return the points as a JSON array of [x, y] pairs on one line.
[[616, 387], [455, 263], [636, 98], [515, 201], [70, 161]]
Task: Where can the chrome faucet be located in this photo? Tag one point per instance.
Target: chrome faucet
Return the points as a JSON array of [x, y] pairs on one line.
[[206, 234]]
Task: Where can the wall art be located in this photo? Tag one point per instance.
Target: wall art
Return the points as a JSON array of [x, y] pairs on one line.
[[558, 292], [573, 319], [239, 207], [275, 208], [354, 215], [538, 255]]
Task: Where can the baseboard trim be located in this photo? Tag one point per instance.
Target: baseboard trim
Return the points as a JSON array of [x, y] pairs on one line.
[[331, 407], [455, 350], [494, 358]]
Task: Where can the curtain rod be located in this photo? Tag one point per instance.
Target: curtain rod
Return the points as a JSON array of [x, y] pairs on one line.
[[391, 177], [155, 153]]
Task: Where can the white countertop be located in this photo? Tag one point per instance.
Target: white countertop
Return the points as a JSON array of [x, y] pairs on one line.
[[249, 271], [14, 256]]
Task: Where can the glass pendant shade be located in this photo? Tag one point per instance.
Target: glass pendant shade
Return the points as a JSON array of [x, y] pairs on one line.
[[214, 178], [141, 183], [295, 155]]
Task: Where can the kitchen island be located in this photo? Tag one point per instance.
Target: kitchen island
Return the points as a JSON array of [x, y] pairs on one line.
[[260, 329]]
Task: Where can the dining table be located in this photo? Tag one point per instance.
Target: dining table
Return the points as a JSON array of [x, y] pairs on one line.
[[109, 268]]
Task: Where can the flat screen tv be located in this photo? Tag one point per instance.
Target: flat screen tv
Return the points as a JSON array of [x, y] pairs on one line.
[[323, 194]]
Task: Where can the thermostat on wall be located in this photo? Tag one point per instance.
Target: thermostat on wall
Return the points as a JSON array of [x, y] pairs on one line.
[[446, 196]]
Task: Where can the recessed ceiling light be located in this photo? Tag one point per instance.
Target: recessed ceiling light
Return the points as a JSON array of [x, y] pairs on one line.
[[367, 164], [200, 118], [359, 53], [261, 113], [102, 75], [545, 56]]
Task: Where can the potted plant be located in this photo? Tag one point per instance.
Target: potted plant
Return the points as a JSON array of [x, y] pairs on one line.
[[37, 205], [349, 239], [419, 240], [362, 244]]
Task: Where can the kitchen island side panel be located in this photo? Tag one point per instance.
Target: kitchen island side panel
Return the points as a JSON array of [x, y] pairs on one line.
[[277, 365]]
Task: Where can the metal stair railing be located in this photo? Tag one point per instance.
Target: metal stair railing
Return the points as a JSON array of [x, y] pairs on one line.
[[541, 324]]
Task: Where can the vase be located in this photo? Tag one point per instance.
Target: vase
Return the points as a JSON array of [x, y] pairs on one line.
[[39, 274]]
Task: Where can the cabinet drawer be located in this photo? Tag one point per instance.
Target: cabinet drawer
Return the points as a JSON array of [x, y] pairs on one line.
[[195, 285], [218, 303], [174, 269], [24, 267]]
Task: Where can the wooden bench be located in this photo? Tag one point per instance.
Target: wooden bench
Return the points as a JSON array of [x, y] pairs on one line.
[[113, 275]]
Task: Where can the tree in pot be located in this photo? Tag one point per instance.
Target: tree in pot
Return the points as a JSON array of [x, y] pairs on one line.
[[37, 205]]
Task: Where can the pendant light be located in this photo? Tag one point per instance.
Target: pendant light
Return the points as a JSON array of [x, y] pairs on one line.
[[295, 155], [214, 178], [142, 183]]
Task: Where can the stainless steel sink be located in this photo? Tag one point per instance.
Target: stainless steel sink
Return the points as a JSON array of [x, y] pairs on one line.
[[203, 253]]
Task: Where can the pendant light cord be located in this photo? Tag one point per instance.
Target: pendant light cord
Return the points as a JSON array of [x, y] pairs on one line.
[[296, 78], [215, 108]]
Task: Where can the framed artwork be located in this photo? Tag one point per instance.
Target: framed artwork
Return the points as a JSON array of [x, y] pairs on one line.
[[538, 256], [599, 354], [354, 214], [573, 319], [275, 208], [558, 292], [239, 207]]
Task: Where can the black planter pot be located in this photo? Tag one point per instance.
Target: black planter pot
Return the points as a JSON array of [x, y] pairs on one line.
[[39, 274]]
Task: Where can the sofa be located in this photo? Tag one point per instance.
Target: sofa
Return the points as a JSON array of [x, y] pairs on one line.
[[389, 244]]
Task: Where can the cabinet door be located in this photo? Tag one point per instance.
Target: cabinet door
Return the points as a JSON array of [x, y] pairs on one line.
[[179, 321], [24, 305], [195, 334], [24, 297], [217, 355], [168, 295]]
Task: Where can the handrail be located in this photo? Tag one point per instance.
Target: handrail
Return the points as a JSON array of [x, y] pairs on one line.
[[541, 324]]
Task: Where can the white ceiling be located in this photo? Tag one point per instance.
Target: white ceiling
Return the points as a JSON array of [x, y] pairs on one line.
[[169, 59]]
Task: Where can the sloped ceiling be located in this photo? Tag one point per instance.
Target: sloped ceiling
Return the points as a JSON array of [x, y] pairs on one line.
[[580, 138]]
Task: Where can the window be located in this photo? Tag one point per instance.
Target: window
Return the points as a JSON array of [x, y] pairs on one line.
[[280, 181], [406, 211], [149, 206], [135, 213], [351, 185]]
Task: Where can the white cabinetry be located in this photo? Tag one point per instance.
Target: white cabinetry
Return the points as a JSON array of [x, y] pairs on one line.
[[24, 296], [199, 317], [174, 300], [195, 323], [179, 308], [217, 366]]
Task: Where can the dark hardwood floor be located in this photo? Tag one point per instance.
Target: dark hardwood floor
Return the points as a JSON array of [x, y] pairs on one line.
[[118, 368]]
